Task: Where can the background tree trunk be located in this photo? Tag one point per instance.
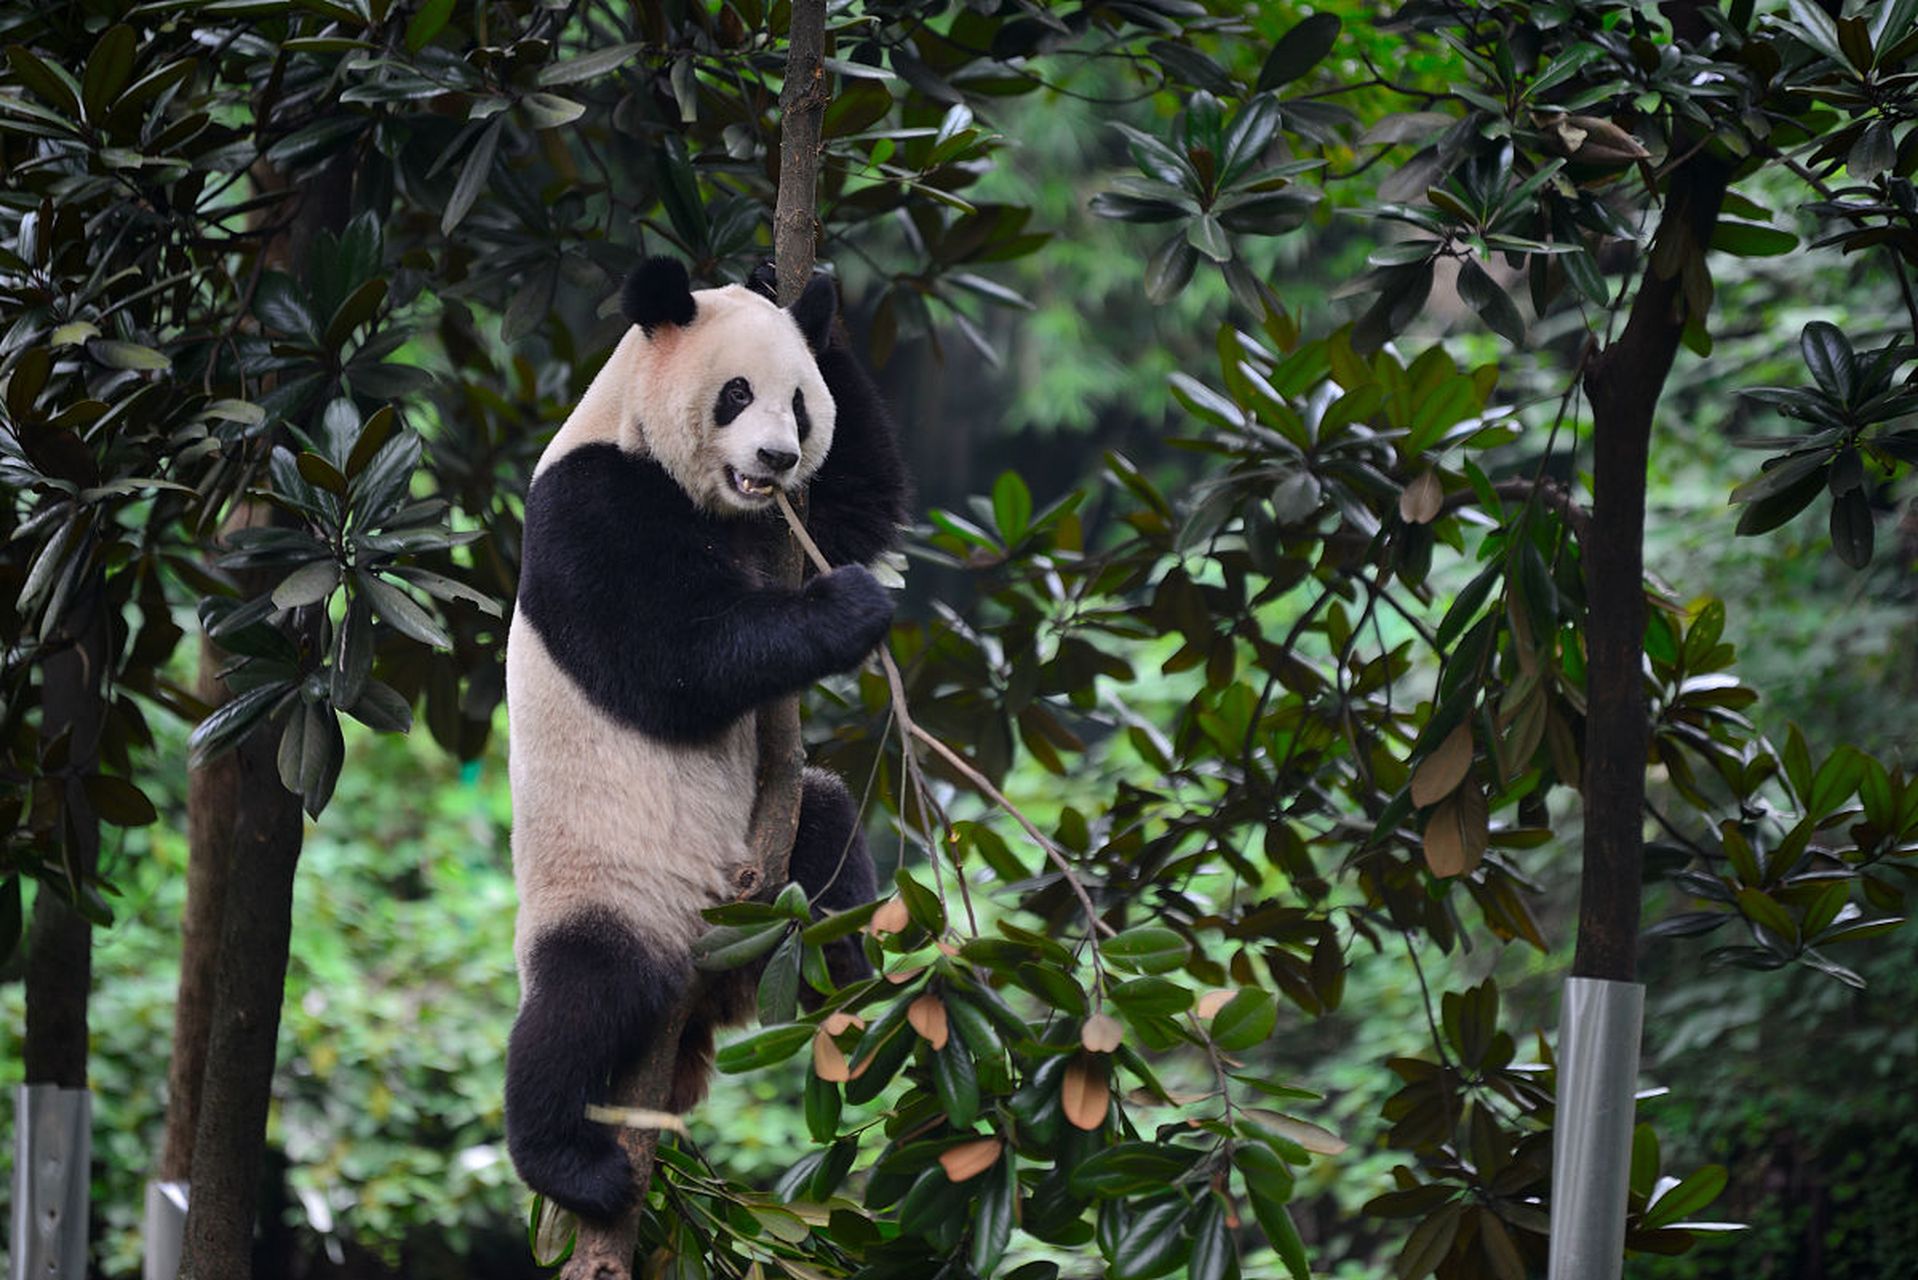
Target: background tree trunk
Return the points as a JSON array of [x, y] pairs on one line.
[[1624, 382], [242, 803], [604, 1251], [213, 803], [59, 959]]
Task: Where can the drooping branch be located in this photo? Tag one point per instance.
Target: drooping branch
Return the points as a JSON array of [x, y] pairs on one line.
[[604, 1250]]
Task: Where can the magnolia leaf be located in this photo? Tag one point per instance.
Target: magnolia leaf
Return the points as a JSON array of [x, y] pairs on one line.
[[1084, 1094], [927, 1015], [970, 1159]]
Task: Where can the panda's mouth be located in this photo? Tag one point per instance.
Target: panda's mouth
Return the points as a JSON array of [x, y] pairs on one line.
[[750, 486]]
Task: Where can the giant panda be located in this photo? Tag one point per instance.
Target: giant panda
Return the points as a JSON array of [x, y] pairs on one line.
[[643, 641]]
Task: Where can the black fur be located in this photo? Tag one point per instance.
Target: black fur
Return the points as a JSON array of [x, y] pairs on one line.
[[814, 310], [733, 400], [658, 292], [858, 497], [832, 864], [598, 992], [641, 603], [801, 418]]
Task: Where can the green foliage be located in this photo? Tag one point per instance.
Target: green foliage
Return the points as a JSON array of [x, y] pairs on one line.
[[1318, 688]]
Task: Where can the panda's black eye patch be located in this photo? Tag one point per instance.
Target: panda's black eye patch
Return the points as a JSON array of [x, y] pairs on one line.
[[733, 399], [800, 417]]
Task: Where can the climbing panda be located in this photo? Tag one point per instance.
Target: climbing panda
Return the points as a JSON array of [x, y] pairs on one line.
[[644, 639]]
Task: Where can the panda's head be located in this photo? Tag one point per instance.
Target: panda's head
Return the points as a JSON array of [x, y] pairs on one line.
[[733, 405]]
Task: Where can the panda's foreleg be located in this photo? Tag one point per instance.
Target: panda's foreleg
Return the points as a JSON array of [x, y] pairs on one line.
[[595, 991], [831, 863]]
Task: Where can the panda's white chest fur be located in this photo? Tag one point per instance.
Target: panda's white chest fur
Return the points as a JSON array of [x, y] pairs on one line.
[[655, 831]]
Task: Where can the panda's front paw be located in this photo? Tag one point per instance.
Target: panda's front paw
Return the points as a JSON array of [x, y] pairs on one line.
[[857, 612]]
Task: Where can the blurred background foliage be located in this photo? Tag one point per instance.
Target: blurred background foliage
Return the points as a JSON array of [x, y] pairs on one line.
[[355, 262]]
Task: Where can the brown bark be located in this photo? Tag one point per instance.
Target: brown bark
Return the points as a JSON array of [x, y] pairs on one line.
[[243, 1033], [212, 803], [59, 960], [1624, 383], [604, 1250]]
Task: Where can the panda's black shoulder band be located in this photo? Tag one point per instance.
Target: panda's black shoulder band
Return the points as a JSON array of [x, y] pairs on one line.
[[658, 292]]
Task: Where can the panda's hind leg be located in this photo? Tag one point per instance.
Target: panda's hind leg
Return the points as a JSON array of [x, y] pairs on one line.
[[594, 991], [831, 863]]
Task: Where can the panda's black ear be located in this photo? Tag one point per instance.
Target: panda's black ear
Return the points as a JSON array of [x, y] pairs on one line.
[[658, 292], [814, 311], [764, 280]]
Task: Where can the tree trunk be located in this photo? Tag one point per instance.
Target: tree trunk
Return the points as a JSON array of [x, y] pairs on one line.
[[243, 1032], [59, 962], [246, 847], [1624, 382], [604, 1250], [213, 802]]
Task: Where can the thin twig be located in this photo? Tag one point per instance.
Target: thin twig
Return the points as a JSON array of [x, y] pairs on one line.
[[910, 727]]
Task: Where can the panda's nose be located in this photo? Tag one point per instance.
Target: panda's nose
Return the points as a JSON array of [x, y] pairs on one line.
[[778, 459]]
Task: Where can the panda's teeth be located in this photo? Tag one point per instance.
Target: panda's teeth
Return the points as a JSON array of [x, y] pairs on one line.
[[752, 488]]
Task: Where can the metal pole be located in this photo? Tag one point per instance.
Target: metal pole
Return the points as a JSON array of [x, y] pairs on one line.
[[52, 1148], [1598, 1030], [165, 1230]]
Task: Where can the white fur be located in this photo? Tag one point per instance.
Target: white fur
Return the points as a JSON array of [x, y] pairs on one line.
[[605, 817]]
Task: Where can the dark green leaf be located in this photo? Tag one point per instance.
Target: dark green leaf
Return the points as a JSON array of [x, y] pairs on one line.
[[957, 1082], [588, 66], [381, 707], [822, 1108], [775, 1044], [308, 584], [922, 904], [398, 610], [1152, 997], [1687, 1198], [1767, 513], [1851, 528], [1170, 269], [550, 111], [732, 946], [126, 355], [1146, 949], [1829, 356], [1299, 50], [229, 722], [119, 802], [779, 984], [1493, 304], [427, 21], [1751, 240], [1154, 1242], [51, 83], [1214, 1253], [992, 1220], [474, 175], [1206, 235], [108, 69], [1247, 1019]]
